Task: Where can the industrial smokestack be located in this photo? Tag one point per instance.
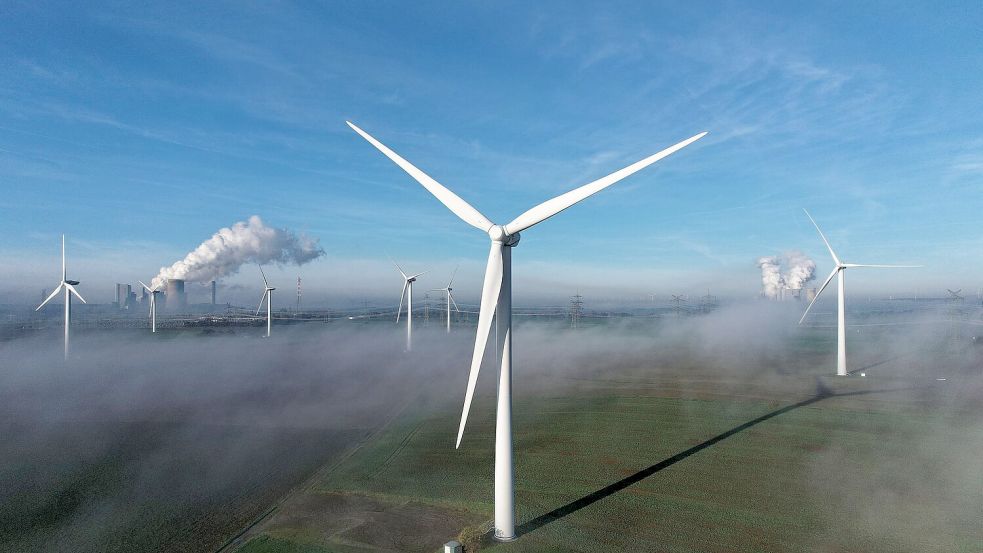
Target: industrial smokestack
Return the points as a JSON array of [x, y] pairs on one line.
[[213, 292]]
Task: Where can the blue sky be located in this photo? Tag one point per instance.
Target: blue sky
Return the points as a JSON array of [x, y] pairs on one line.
[[141, 130]]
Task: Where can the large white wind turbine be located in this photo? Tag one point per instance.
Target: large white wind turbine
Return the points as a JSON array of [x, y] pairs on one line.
[[838, 271], [268, 298], [69, 287], [153, 304], [408, 281], [496, 300], [450, 298]]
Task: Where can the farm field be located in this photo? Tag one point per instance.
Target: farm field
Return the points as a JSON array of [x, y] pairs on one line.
[[673, 459]]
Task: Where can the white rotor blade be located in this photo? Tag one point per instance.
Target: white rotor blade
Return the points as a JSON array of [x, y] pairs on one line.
[[418, 274], [402, 294], [489, 302], [76, 292], [823, 236], [454, 274], [453, 202], [550, 208], [266, 282], [825, 284], [53, 294], [145, 286], [454, 303], [64, 269], [884, 266], [261, 300], [398, 268]]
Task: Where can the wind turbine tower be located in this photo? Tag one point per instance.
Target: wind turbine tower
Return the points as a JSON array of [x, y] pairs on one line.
[[407, 286], [268, 298], [153, 304], [69, 287], [496, 302], [838, 271]]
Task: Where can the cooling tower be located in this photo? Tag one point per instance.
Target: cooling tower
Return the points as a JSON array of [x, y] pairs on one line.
[[176, 299]]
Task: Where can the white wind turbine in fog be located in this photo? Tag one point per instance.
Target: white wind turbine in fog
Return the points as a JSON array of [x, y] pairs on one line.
[[268, 298], [153, 304], [838, 271], [450, 298], [496, 300], [69, 287], [407, 286]]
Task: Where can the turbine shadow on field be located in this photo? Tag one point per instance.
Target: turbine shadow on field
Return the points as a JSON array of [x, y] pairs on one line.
[[822, 393]]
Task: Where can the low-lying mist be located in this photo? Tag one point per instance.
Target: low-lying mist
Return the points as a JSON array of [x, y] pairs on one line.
[[175, 441]]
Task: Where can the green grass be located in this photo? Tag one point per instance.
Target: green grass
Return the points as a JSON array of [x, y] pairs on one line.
[[881, 471]]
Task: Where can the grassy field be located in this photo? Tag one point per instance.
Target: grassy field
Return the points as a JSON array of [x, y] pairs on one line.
[[670, 460]]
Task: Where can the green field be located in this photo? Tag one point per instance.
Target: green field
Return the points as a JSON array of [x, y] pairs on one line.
[[669, 460]]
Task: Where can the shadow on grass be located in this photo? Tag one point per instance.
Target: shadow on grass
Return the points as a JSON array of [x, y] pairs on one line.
[[822, 392]]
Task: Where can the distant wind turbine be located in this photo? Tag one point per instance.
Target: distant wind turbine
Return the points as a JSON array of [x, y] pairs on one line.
[[496, 301], [407, 286], [450, 298], [838, 271], [153, 304], [69, 287], [268, 298]]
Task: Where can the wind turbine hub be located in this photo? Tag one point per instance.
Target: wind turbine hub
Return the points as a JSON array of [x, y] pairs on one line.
[[497, 233]]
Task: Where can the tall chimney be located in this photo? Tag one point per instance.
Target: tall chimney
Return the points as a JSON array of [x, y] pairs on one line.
[[213, 292]]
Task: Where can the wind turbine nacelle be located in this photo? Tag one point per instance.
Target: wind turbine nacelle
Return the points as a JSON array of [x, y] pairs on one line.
[[72, 282]]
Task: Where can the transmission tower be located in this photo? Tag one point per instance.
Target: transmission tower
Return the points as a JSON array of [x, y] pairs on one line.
[[298, 293], [677, 300], [576, 310], [955, 314], [708, 302]]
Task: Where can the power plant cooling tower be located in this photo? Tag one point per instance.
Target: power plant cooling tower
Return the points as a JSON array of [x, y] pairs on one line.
[[176, 299]]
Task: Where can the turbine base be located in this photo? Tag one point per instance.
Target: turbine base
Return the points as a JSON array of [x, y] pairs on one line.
[[503, 539]]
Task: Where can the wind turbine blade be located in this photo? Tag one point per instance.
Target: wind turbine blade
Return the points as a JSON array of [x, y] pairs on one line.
[[884, 266], [402, 294], [398, 268], [261, 300], [76, 292], [266, 282], [49, 298], [489, 301], [145, 286], [453, 202], [823, 236], [454, 303], [825, 284], [454, 274], [419, 274], [64, 268], [550, 208]]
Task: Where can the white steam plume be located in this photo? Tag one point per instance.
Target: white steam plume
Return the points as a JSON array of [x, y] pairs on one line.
[[799, 270], [771, 275], [244, 242]]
